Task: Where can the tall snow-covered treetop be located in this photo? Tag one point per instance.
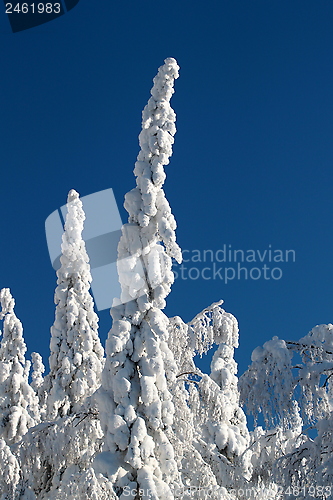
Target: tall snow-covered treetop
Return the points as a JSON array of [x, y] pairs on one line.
[[76, 358], [18, 402], [149, 242], [135, 403]]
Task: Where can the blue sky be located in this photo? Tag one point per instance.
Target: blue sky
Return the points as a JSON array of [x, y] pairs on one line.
[[253, 155]]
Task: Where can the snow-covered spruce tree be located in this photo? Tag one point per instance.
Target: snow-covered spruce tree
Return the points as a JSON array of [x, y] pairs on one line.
[[18, 401], [56, 454], [136, 406], [76, 358]]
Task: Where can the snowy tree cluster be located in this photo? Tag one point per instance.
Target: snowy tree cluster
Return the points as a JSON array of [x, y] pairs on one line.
[[141, 420]]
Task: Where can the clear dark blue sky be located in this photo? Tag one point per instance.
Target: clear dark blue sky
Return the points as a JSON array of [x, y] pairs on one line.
[[253, 157]]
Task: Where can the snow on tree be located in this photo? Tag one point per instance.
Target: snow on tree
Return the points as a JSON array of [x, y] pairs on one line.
[[315, 371], [135, 403], [313, 384], [271, 366], [267, 447], [222, 436], [55, 455], [10, 472], [181, 345], [70, 434], [76, 358], [38, 369], [223, 372], [18, 402], [64, 444], [84, 486], [203, 411], [297, 396], [38, 383], [281, 383]]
